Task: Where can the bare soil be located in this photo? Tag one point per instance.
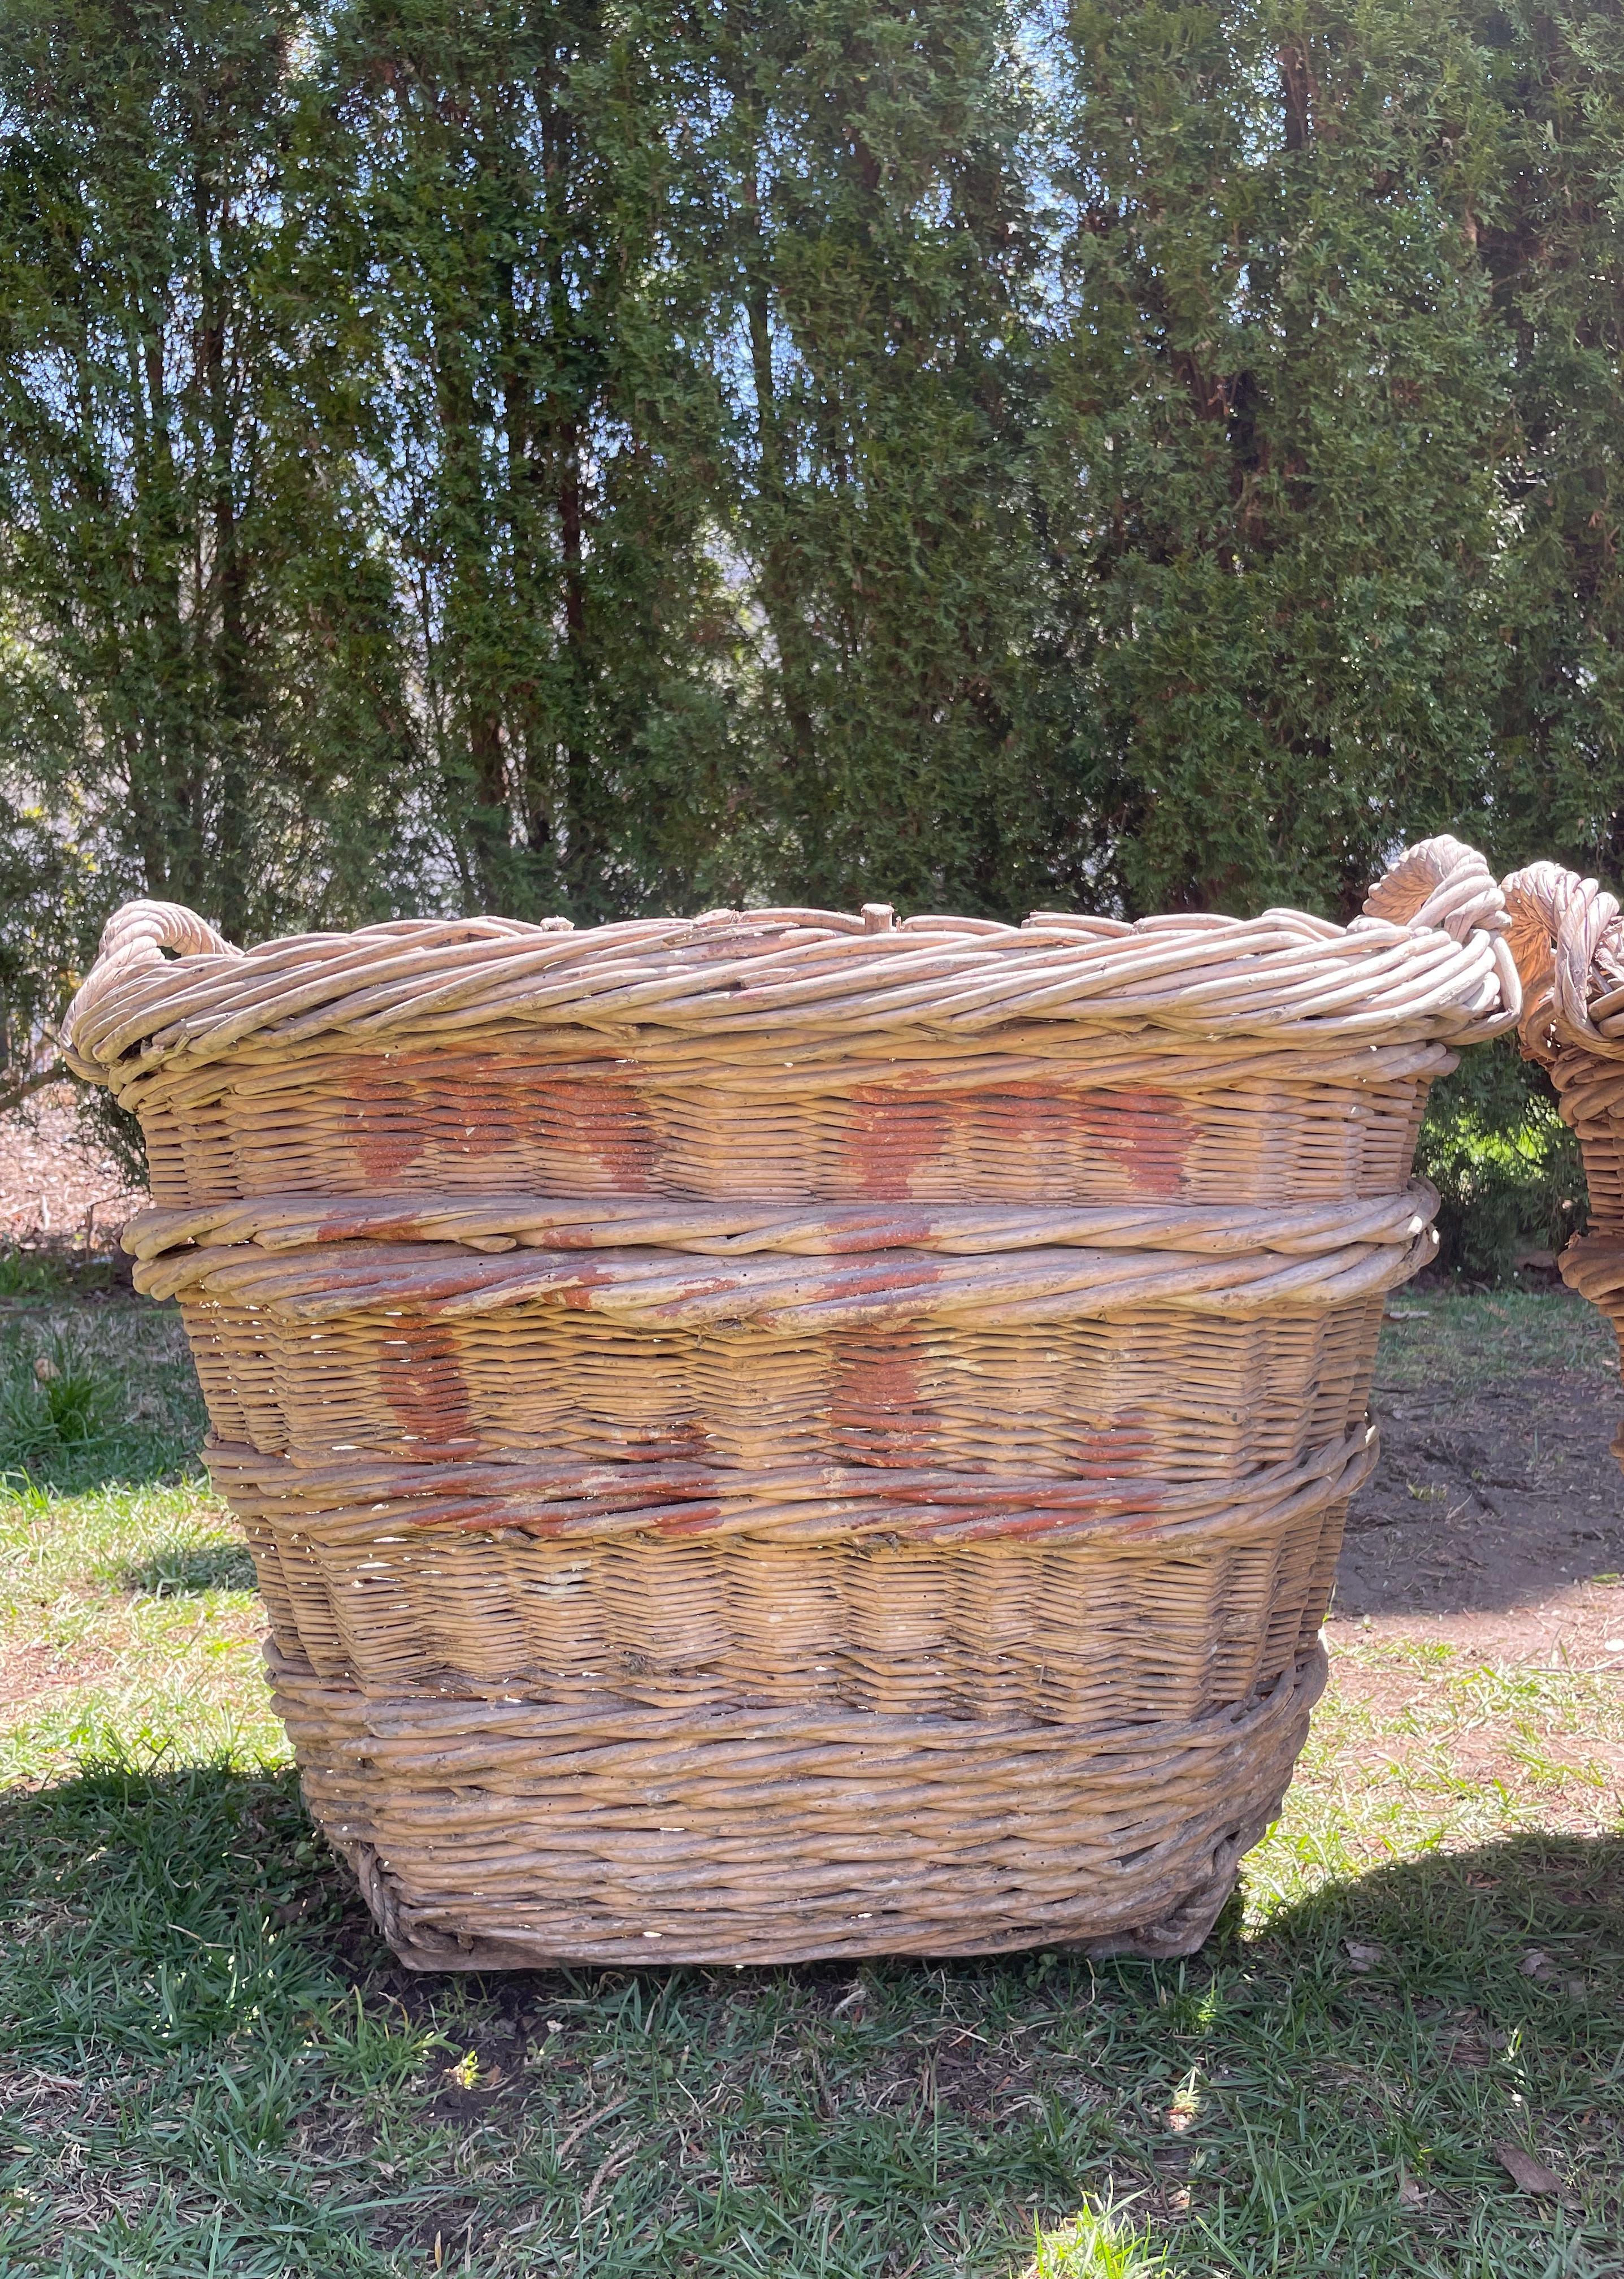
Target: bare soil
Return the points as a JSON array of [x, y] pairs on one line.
[[53, 1184], [1495, 1519]]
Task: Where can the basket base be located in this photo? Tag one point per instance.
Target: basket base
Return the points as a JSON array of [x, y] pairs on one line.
[[490, 1836], [1183, 1931]]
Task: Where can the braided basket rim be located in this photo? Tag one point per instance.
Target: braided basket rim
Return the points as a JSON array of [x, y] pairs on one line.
[[1425, 958]]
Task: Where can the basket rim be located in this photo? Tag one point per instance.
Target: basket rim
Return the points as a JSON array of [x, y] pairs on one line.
[[1426, 957]]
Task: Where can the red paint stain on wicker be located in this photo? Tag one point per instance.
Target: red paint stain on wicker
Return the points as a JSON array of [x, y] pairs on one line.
[[421, 1379], [878, 1413], [425, 1116], [1121, 1450], [888, 1136], [595, 1131], [1149, 1134], [380, 1119], [1021, 1141]]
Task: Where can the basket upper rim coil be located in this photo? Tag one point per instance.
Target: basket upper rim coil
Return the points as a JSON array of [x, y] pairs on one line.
[[1566, 934], [1426, 959]]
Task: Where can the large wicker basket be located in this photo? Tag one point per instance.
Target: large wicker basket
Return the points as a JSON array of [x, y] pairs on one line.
[[1567, 938], [777, 1434]]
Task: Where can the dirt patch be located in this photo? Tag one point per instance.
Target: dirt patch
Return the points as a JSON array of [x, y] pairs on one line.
[[52, 1183], [1494, 1520], [28, 1674]]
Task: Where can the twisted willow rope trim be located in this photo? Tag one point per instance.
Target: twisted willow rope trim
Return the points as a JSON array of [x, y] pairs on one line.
[[506, 1836], [503, 1222], [447, 1281], [1426, 959], [362, 1499]]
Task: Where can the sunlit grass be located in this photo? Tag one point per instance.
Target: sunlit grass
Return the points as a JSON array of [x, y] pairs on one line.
[[1469, 1339], [212, 2065]]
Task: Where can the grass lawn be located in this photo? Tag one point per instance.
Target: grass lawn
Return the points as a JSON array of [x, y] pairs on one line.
[[209, 2063]]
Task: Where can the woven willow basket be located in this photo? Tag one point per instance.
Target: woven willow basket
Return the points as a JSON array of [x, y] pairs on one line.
[[780, 1434], [1567, 938]]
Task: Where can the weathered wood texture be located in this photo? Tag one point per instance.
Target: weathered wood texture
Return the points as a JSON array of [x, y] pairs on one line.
[[1567, 938], [780, 1434]]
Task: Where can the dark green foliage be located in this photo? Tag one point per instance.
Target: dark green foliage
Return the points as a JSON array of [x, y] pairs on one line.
[[563, 457], [882, 274], [1276, 413], [188, 584], [1506, 1168], [497, 224]]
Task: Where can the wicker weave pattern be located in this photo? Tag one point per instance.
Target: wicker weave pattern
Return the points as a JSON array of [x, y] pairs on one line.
[[514, 1837], [1568, 938], [785, 1434], [911, 1119]]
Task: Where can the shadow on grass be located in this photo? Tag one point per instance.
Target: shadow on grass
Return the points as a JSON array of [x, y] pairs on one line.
[[190, 1569], [109, 1462], [1326, 2096]]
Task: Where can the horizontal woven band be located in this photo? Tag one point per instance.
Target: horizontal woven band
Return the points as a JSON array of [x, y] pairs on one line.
[[360, 1498], [501, 1834], [1429, 959], [447, 1281], [505, 1222]]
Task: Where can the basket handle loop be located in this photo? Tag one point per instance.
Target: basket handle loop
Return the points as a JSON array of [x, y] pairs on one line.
[[1559, 924], [142, 931], [135, 937], [1440, 882]]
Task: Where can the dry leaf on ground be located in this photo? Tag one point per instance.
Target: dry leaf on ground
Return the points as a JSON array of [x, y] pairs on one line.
[[1530, 2174]]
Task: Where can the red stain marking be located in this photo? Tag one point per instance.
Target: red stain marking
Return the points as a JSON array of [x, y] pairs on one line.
[[602, 1121], [419, 1376], [482, 1109], [1149, 1134], [1119, 1450], [876, 1401], [379, 1118], [889, 1133], [1141, 1140]]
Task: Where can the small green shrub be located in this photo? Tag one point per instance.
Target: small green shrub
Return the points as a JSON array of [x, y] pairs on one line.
[[1506, 1168], [50, 1268], [52, 1398], [27, 1274]]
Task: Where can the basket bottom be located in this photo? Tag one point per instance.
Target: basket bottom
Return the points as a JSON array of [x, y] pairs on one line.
[[494, 1836]]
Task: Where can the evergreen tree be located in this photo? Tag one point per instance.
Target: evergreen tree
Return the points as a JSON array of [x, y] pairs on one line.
[[1280, 406], [199, 668], [881, 260], [494, 203]]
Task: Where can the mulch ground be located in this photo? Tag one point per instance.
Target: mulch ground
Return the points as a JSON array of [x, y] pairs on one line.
[[54, 1184]]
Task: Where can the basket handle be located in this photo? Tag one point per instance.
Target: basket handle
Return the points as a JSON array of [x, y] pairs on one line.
[[142, 931], [1440, 882], [133, 936], [1443, 882], [1560, 926]]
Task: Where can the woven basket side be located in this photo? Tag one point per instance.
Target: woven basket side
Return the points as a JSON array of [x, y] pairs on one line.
[[619, 1835], [1072, 1634], [1174, 1396], [354, 1127]]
